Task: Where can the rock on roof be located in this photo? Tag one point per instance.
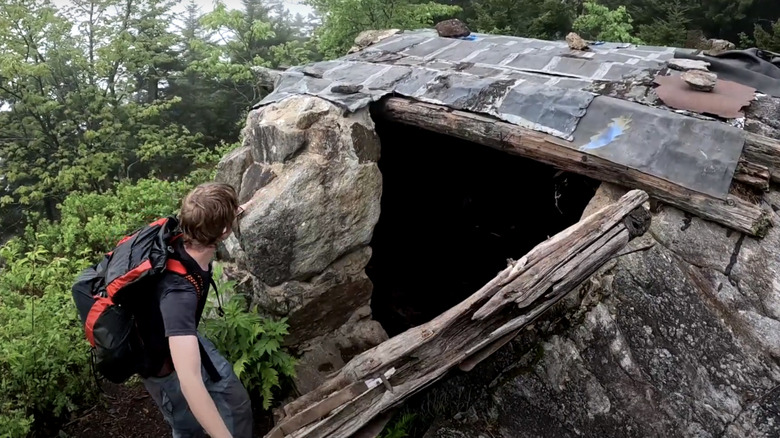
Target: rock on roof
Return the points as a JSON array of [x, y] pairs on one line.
[[596, 99]]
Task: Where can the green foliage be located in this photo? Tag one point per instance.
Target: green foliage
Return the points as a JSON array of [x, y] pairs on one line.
[[252, 343], [671, 30], [399, 428], [343, 20], [236, 41], [768, 40], [293, 53], [547, 19], [84, 107], [600, 23], [108, 116], [44, 369]]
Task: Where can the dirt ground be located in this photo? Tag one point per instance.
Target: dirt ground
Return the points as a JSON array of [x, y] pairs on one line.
[[127, 411], [124, 411]]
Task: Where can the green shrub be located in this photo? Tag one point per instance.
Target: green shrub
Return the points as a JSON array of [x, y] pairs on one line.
[[44, 363], [44, 367], [93, 223], [252, 343], [598, 22]]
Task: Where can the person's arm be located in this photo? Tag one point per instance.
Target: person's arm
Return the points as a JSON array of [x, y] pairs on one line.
[[178, 306], [186, 360]]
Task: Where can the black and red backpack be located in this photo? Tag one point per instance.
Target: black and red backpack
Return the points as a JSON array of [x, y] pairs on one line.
[[105, 292]]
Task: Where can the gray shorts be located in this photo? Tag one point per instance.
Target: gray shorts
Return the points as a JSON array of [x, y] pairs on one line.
[[228, 394]]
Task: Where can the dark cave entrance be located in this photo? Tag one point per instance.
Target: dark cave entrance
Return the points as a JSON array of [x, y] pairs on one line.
[[453, 212]]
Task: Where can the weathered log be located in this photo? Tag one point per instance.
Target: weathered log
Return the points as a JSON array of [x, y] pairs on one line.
[[732, 212], [764, 151], [752, 174], [422, 355]]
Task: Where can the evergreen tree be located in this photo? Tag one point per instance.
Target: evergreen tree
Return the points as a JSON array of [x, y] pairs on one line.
[[343, 20], [547, 19]]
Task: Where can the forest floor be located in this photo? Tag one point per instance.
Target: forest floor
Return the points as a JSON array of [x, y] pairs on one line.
[[123, 411], [127, 411]]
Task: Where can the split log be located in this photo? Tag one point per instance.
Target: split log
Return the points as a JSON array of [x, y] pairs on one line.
[[764, 151], [732, 212], [420, 356], [752, 174]]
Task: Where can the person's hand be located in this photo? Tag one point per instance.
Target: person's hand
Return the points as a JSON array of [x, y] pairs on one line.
[[243, 208]]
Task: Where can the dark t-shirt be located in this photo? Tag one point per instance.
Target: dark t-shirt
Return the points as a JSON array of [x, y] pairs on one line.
[[174, 309]]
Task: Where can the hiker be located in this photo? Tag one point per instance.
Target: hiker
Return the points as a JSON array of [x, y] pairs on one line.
[[193, 385]]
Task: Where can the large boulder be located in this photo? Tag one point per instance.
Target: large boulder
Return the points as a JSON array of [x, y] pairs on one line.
[[317, 188], [322, 304], [309, 171], [321, 356], [232, 166], [681, 339], [314, 212]]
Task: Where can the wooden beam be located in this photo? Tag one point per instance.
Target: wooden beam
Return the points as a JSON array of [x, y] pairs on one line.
[[732, 212], [764, 151], [506, 304], [752, 174]]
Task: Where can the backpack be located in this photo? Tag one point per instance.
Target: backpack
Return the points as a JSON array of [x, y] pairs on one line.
[[104, 292]]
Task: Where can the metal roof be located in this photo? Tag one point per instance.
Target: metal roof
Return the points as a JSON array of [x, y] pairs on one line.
[[539, 85]]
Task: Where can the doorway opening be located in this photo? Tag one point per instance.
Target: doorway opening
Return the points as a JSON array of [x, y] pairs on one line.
[[453, 213]]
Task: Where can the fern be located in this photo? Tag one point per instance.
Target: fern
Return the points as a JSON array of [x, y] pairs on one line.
[[400, 428], [252, 343]]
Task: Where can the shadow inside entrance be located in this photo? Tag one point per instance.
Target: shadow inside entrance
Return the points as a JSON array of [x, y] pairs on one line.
[[453, 212]]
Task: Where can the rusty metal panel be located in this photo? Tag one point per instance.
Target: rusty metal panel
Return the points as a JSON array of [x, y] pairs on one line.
[[726, 100]]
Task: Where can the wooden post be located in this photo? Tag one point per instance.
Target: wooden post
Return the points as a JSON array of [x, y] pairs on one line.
[[343, 405], [733, 212]]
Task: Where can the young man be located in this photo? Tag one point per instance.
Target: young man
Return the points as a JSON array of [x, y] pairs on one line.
[[192, 384]]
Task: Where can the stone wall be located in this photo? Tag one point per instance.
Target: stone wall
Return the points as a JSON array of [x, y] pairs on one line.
[[311, 174], [682, 339]]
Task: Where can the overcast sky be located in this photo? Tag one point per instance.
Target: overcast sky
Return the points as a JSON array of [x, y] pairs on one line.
[[294, 6]]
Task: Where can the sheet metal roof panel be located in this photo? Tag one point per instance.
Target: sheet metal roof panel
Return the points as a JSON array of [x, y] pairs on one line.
[[540, 85], [552, 110], [353, 72], [493, 57], [388, 79], [403, 41], [726, 100], [698, 154], [430, 47]]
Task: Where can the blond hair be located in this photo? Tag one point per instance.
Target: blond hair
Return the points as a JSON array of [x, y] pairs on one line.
[[206, 212]]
